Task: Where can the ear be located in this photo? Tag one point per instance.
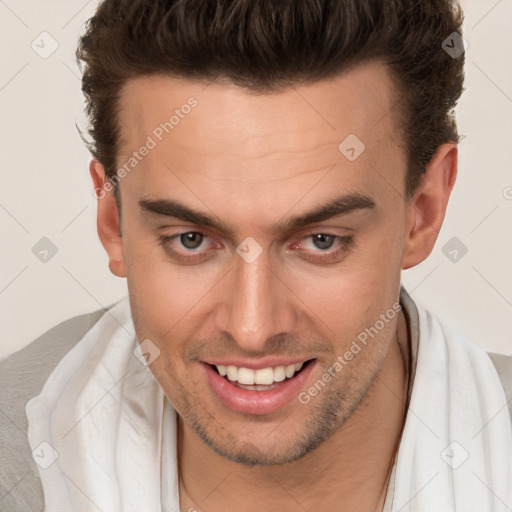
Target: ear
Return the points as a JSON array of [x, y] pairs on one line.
[[108, 226], [426, 209]]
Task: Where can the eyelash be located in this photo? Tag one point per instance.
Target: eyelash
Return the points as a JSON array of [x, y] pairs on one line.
[[344, 243], [192, 257]]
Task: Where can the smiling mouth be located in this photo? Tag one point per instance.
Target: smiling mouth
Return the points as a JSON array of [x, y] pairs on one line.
[[262, 379]]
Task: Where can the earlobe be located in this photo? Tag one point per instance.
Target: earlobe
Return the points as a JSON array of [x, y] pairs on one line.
[[427, 208], [109, 230]]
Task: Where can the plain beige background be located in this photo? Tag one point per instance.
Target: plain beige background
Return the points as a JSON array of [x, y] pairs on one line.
[[46, 190]]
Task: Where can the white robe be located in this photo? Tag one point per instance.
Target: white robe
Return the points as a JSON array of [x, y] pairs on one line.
[[103, 432]]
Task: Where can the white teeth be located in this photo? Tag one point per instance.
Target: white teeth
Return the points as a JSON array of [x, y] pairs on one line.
[[279, 374], [246, 376], [290, 370], [263, 376], [232, 372]]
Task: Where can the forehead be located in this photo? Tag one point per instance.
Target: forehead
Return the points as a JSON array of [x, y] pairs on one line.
[[220, 133], [355, 100]]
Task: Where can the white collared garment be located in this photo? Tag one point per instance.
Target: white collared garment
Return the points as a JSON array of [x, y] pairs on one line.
[[455, 454], [105, 433]]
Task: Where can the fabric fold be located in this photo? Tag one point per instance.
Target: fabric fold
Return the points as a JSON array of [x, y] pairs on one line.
[[101, 410], [456, 449]]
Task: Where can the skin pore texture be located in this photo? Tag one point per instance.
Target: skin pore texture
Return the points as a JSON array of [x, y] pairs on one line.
[[252, 162]]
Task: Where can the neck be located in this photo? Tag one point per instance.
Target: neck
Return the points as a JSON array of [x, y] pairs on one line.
[[352, 467]]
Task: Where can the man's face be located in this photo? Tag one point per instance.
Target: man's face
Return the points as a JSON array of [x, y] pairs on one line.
[[254, 287]]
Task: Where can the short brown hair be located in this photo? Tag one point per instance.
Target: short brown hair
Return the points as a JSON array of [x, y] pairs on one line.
[[264, 45]]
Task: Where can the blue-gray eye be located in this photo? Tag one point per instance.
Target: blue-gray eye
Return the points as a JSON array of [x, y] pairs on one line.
[[323, 241], [191, 239]]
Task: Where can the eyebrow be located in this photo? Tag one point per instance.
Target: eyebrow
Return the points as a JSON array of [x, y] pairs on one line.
[[334, 207]]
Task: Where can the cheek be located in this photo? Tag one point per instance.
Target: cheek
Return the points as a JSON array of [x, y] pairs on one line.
[[166, 307], [163, 292], [346, 299]]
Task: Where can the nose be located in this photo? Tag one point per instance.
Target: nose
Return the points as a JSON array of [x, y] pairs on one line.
[[257, 306]]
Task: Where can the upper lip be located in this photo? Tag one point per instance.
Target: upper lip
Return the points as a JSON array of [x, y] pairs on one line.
[[257, 364]]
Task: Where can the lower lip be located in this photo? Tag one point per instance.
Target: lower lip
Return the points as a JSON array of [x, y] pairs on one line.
[[257, 402]]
